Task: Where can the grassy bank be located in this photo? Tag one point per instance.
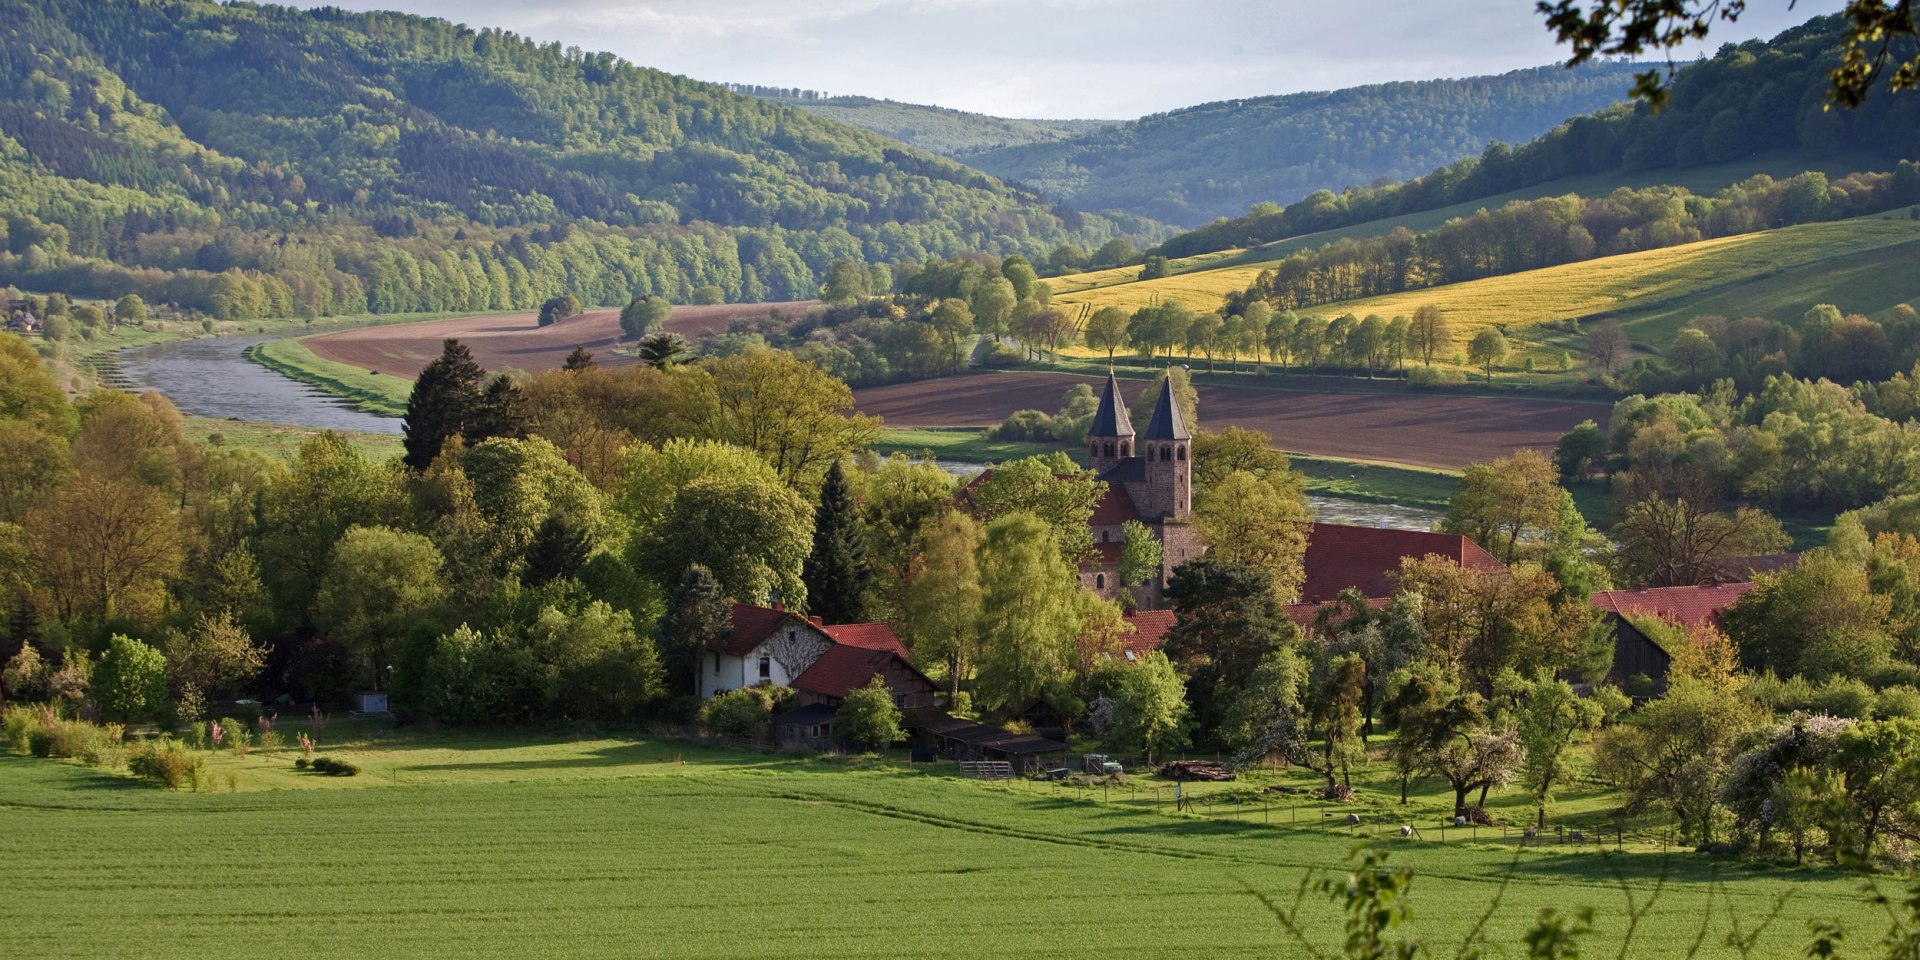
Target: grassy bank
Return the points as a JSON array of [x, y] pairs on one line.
[[372, 392], [280, 441], [467, 844], [1376, 482], [961, 445]]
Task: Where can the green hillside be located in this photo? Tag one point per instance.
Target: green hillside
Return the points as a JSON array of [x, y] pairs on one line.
[[1192, 165], [950, 133], [253, 160], [1748, 103]]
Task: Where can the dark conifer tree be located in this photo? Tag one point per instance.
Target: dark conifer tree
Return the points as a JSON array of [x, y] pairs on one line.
[[558, 550], [580, 359], [698, 615], [502, 412], [444, 402], [838, 577]]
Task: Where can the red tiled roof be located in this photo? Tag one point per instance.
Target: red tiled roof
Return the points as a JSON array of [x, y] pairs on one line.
[[1692, 606], [1149, 629], [1340, 556], [1114, 508], [867, 636], [753, 624], [842, 670], [1109, 553]]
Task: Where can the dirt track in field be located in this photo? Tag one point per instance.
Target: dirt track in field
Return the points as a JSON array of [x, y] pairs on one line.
[[1421, 429], [515, 340]]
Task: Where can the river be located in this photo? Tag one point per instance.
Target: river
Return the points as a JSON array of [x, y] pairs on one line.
[[213, 378]]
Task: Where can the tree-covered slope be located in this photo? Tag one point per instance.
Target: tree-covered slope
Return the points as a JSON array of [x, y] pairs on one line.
[[400, 162], [1190, 166], [1750, 100], [958, 134]]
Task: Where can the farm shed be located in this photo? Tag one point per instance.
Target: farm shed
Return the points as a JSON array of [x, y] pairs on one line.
[[969, 740], [1635, 653], [808, 726]]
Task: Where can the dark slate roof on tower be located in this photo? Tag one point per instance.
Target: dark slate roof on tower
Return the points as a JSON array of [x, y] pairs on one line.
[[1111, 419], [1167, 423]]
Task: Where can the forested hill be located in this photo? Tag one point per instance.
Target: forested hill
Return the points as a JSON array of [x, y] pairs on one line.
[[947, 132], [1190, 166], [247, 159], [1749, 99]]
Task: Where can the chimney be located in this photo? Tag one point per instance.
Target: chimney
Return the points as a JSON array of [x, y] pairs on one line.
[[816, 621]]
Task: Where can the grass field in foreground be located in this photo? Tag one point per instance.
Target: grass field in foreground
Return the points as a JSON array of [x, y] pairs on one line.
[[464, 845], [372, 392]]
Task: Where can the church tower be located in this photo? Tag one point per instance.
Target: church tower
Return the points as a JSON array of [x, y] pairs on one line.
[[1168, 448], [1110, 439]]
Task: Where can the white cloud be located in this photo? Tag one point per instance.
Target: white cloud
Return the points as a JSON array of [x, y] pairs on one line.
[[1060, 58]]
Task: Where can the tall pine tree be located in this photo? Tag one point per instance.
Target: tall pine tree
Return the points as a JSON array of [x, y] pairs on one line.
[[502, 412], [579, 360], [444, 401], [559, 549], [838, 577], [697, 616]]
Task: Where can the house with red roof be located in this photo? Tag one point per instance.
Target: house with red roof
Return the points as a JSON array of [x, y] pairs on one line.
[[821, 662], [1341, 557]]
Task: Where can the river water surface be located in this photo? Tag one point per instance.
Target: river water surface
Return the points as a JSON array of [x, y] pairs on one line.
[[213, 378]]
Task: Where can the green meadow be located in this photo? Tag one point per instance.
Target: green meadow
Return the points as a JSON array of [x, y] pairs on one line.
[[464, 845]]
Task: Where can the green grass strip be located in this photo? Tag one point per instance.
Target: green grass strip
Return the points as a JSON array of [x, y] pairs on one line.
[[370, 392]]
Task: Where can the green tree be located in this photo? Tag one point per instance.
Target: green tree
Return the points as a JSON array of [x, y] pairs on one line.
[[1429, 332], [579, 361], [697, 616], [796, 417], [1549, 720], [1516, 509], [1693, 351], [1228, 618], [559, 548], [1488, 347], [1818, 618], [993, 305], [1141, 554], [1050, 488], [753, 535], [130, 309], [559, 308], [868, 716], [444, 401], [1415, 709], [130, 680], [214, 656], [381, 582], [847, 281], [1150, 708], [1674, 752], [662, 350], [837, 574], [25, 677], [1334, 710], [643, 316], [1106, 330], [1264, 718], [953, 320], [602, 668], [330, 488], [1244, 519], [943, 612], [1028, 617]]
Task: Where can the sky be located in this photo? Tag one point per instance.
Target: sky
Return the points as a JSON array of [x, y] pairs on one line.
[[1103, 59]]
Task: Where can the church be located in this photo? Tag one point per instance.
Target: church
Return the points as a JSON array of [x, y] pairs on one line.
[[1149, 478]]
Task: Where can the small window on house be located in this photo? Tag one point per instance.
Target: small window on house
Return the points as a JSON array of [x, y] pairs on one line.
[[1099, 581], [766, 667], [1106, 536], [716, 661]]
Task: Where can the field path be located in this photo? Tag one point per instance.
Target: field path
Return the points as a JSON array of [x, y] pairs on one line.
[[515, 340], [1420, 429]]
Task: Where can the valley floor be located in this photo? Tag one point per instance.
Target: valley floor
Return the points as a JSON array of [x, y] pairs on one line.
[[474, 845]]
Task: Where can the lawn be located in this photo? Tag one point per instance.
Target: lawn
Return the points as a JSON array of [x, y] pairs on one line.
[[963, 445], [475, 845], [380, 393]]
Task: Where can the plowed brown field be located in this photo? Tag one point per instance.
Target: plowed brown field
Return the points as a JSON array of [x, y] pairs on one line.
[[1421, 429], [515, 340]]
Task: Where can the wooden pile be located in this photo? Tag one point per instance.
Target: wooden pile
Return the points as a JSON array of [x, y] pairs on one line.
[[1190, 770]]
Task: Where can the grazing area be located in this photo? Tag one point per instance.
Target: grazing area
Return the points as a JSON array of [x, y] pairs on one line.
[[516, 340], [1444, 432], [451, 845]]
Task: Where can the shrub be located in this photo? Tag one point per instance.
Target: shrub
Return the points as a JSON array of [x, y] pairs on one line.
[[270, 741], [40, 742], [1435, 377], [737, 713], [167, 762], [17, 724], [1024, 425], [1844, 697], [1901, 701], [301, 763], [333, 768]]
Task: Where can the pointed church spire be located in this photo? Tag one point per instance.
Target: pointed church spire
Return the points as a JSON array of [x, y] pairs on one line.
[[1167, 423], [1111, 419]]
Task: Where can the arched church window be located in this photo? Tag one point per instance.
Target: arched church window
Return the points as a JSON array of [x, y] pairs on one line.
[[1099, 581], [1181, 452], [1109, 449], [1106, 536]]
